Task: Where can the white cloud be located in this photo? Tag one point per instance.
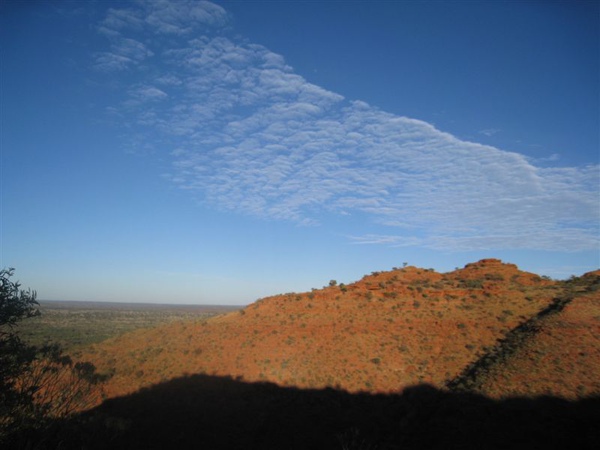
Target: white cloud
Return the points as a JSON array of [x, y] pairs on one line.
[[166, 17], [149, 93], [489, 131], [252, 136], [183, 17], [118, 19], [125, 53], [169, 80], [394, 241], [111, 62]]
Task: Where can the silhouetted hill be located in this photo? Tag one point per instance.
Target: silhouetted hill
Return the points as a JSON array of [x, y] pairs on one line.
[[201, 411]]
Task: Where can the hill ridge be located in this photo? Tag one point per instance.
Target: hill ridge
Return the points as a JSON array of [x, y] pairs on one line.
[[469, 378], [380, 334]]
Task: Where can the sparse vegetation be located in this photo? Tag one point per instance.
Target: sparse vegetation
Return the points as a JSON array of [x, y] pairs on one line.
[[75, 325]]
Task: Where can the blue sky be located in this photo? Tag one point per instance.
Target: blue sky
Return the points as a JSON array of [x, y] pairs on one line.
[[196, 152]]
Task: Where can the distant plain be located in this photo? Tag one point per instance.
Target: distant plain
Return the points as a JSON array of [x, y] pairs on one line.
[[76, 324]]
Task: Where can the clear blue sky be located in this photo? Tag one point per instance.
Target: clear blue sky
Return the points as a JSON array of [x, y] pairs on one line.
[[195, 152]]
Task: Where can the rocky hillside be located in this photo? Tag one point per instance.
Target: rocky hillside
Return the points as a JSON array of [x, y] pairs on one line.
[[381, 334]]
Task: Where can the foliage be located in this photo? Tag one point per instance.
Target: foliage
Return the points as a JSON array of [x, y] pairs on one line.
[[15, 304], [36, 383]]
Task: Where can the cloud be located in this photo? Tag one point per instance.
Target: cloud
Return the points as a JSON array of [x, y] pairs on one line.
[[149, 93], [119, 19], [245, 133], [183, 17], [111, 62], [150, 18], [489, 131], [125, 53]]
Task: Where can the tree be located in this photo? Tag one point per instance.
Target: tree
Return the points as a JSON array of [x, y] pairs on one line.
[[36, 383], [15, 356]]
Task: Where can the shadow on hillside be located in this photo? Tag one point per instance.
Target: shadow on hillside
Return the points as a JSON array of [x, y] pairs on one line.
[[208, 412]]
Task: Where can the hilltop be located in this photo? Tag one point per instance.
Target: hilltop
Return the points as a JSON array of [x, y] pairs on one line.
[[381, 334]]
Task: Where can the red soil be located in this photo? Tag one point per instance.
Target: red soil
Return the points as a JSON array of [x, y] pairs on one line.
[[383, 333], [562, 359]]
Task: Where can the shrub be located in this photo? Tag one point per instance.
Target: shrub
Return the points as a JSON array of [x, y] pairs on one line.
[[36, 383]]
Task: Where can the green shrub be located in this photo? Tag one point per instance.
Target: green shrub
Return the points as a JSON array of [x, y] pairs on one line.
[[36, 383]]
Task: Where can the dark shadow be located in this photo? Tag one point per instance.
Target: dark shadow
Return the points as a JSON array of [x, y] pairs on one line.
[[209, 412]]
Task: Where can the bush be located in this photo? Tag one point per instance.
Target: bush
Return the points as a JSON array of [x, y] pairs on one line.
[[36, 383]]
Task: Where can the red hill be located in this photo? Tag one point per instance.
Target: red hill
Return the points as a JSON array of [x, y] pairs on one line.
[[383, 333]]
